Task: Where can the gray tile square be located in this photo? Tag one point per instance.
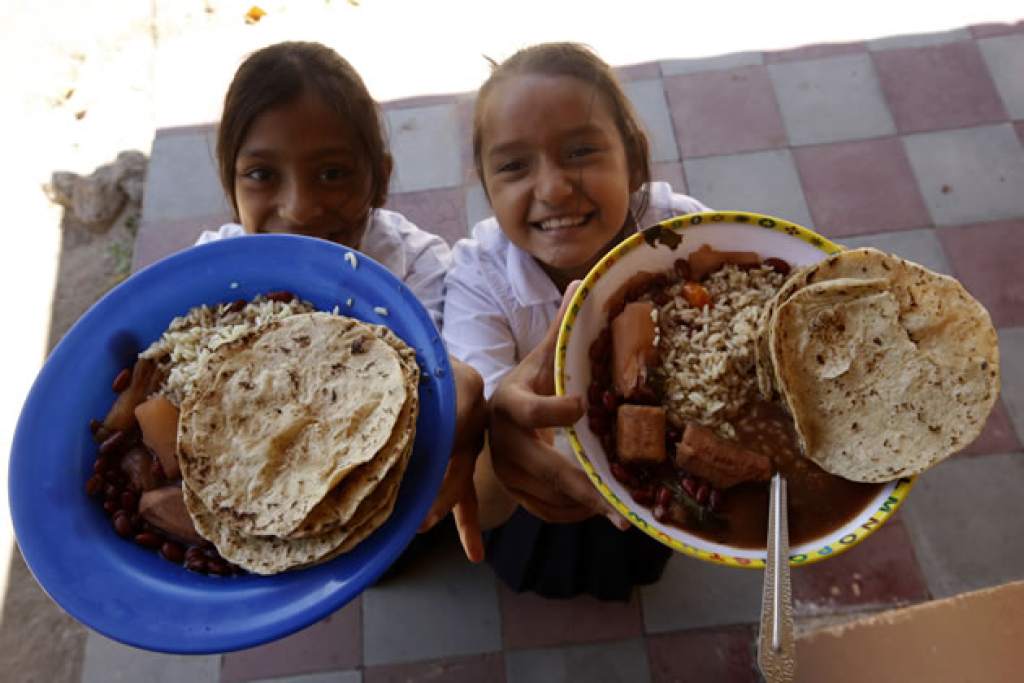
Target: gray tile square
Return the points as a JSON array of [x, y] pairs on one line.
[[107, 661], [325, 677], [621, 662], [919, 246], [1005, 59], [477, 206], [182, 180], [648, 97], [964, 517], [441, 606], [425, 143], [696, 594], [830, 100], [969, 175], [920, 39], [1011, 361], [763, 182], [675, 67]]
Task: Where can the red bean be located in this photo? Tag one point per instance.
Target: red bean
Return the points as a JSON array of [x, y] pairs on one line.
[[123, 524], [193, 552], [660, 297], [196, 564], [281, 296], [778, 265], [689, 485], [237, 305], [597, 425], [123, 379], [715, 499], [101, 434], [128, 501], [622, 474], [664, 496], [148, 539], [94, 485], [173, 552], [217, 567], [594, 394], [157, 469], [111, 491], [113, 443], [94, 425], [110, 506], [643, 496], [610, 401], [702, 493]]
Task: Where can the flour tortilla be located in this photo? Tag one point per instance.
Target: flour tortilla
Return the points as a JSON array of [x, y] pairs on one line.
[[271, 555], [886, 377], [338, 506], [285, 414]]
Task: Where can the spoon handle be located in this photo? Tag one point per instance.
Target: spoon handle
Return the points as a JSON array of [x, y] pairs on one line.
[[776, 649]]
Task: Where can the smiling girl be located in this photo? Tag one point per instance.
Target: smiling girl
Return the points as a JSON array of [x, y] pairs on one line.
[[301, 150], [565, 165]]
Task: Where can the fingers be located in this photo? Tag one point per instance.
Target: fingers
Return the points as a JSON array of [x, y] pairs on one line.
[[532, 411], [467, 522], [458, 477]]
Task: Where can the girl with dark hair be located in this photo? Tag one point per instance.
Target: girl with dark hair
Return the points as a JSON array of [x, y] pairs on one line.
[[301, 149], [565, 164]]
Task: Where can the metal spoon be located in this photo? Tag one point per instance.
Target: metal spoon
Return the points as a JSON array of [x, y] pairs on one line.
[[776, 649]]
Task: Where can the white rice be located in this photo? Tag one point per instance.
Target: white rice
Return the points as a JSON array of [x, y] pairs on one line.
[[191, 338], [706, 361]]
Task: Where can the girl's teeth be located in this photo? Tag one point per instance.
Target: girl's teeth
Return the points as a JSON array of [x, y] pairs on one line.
[[563, 222]]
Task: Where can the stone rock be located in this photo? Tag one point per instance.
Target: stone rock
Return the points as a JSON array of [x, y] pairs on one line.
[[61, 186], [133, 188], [130, 171], [97, 199]]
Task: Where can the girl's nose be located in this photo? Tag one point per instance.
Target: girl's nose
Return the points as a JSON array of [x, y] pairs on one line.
[[300, 206], [553, 184]]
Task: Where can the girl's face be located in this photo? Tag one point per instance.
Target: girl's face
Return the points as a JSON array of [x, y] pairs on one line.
[[299, 171], [556, 171]]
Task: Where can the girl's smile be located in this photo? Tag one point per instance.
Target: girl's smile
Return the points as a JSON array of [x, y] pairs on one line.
[[555, 169]]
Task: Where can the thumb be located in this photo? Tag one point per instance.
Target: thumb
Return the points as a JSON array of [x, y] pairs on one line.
[[543, 356]]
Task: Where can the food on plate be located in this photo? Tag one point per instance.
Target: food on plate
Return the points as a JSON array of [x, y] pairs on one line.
[[269, 436], [720, 439], [886, 367]]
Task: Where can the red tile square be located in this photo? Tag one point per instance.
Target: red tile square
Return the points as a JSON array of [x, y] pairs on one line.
[[818, 51], [998, 436], [724, 112], [862, 187], [1019, 127], [881, 570], [465, 108], [157, 239], [334, 644], [529, 620], [722, 655], [418, 101], [993, 30], [986, 258], [442, 212], [476, 669], [942, 86]]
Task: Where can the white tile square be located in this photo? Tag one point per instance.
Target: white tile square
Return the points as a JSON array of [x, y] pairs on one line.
[[697, 594], [969, 175], [182, 181], [598, 663], [648, 97], [1005, 58], [107, 661], [920, 246], [762, 182], [425, 144], [831, 100]]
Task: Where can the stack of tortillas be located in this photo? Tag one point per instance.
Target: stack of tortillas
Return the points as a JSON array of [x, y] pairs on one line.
[[295, 441], [886, 367]]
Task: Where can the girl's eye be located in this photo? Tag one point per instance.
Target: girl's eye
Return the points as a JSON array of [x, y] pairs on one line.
[[260, 175], [511, 166], [335, 173], [581, 151]]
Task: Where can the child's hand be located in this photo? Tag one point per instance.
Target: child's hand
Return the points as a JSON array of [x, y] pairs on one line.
[[457, 491], [535, 474]]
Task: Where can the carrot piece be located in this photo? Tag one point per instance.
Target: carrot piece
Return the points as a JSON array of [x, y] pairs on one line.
[[696, 294], [158, 420]]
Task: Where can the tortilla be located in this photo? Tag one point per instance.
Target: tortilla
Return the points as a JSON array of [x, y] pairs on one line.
[[285, 415], [340, 503], [885, 376]]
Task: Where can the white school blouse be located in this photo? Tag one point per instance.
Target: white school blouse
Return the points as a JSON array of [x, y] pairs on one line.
[[416, 257], [499, 302]]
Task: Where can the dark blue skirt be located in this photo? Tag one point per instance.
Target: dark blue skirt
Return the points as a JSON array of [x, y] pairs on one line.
[[565, 560]]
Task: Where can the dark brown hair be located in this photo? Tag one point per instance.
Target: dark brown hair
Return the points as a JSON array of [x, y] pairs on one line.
[[278, 75], [580, 62]]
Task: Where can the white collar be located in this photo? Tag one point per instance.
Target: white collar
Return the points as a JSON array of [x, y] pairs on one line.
[[530, 284]]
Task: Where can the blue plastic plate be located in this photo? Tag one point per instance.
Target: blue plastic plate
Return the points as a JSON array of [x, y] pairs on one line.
[[130, 594]]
